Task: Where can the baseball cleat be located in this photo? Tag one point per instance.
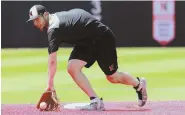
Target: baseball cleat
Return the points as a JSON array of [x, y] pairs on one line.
[[95, 105], [141, 91]]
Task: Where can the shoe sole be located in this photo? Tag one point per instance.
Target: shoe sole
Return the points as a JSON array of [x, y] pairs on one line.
[[89, 109], [84, 109]]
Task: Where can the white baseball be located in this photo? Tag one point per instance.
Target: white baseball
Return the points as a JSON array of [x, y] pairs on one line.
[[43, 105]]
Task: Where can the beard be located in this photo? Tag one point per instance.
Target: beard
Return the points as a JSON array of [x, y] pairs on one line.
[[43, 27]]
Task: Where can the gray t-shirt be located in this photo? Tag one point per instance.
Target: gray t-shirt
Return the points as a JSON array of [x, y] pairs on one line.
[[75, 26]]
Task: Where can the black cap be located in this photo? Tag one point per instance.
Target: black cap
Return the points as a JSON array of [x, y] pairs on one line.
[[35, 11]]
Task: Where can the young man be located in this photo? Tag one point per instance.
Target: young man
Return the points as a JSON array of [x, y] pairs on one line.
[[93, 41]]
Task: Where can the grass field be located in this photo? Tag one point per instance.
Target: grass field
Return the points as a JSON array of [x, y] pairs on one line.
[[24, 75]]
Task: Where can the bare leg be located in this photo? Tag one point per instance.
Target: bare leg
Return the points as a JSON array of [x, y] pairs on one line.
[[74, 69], [123, 78]]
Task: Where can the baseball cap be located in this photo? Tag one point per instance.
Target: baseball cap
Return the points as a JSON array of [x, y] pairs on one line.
[[35, 11]]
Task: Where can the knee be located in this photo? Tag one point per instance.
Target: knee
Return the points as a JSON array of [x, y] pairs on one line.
[[70, 68], [74, 66], [112, 78]]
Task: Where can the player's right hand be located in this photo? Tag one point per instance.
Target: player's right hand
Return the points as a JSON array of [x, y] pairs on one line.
[[50, 98]]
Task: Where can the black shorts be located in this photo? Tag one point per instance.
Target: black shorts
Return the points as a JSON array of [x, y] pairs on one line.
[[102, 50]]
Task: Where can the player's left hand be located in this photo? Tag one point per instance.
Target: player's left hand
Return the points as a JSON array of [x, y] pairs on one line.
[[50, 98]]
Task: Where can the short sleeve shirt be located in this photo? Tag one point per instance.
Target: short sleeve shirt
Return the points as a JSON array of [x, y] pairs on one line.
[[73, 27]]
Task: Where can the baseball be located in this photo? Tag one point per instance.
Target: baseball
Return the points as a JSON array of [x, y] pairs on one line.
[[43, 105]]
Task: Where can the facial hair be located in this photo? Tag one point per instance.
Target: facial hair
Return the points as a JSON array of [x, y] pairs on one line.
[[44, 26], [41, 28]]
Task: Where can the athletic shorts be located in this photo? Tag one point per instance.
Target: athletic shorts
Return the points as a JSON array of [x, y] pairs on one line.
[[102, 50]]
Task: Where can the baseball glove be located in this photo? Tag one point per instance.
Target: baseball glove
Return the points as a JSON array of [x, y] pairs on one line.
[[50, 98]]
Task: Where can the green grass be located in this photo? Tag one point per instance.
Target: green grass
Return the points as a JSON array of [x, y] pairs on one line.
[[24, 75]]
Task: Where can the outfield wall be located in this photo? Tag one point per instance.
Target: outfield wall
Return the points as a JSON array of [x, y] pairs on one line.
[[130, 21]]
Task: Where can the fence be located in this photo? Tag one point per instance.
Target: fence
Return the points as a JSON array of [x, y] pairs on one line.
[[132, 22]]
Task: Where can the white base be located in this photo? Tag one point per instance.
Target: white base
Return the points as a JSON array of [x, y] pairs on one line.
[[75, 105]]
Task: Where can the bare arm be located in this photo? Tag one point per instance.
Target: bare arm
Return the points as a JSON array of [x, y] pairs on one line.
[[52, 65]]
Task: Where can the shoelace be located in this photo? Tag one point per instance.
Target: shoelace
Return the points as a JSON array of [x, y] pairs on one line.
[[93, 103], [138, 89]]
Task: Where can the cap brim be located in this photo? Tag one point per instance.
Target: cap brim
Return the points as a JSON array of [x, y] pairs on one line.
[[32, 18]]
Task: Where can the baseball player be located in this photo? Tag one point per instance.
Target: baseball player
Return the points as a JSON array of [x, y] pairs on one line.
[[93, 41]]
